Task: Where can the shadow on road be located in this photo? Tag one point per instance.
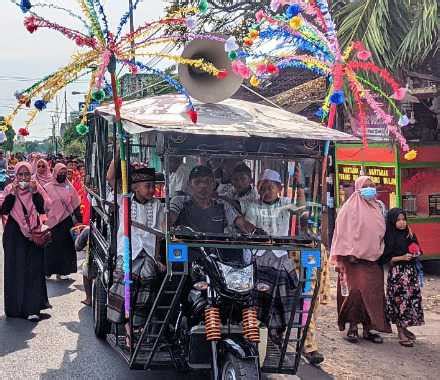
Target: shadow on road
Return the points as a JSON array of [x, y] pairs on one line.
[[58, 288], [15, 334]]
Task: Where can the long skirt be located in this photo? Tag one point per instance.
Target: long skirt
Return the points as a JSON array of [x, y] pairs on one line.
[[25, 285], [365, 302], [404, 298], [143, 289], [276, 305], [60, 254]]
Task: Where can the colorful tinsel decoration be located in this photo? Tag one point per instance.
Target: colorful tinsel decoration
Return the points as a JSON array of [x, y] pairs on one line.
[[100, 52], [302, 35]]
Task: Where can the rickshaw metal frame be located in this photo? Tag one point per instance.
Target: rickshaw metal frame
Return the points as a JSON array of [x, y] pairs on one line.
[[172, 143]]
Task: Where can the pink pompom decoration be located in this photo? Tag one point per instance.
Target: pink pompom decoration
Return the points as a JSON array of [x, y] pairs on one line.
[[364, 55], [260, 15], [261, 69], [239, 68], [274, 5], [133, 69], [399, 94]]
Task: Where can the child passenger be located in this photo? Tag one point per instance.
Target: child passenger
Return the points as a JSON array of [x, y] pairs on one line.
[[272, 214], [404, 298]]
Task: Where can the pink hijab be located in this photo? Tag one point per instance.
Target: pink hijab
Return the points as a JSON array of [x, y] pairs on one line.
[[42, 179], [25, 196], [63, 198], [360, 228]]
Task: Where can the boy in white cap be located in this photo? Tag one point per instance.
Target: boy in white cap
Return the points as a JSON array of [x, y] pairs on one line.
[[272, 214]]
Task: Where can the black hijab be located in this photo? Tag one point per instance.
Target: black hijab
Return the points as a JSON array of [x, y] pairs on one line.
[[396, 241]]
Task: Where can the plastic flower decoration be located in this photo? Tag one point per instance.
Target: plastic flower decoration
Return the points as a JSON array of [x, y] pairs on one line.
[[302, 35], [100, 50]]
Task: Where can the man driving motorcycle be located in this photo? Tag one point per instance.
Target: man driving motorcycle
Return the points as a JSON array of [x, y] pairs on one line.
[[202, 211]]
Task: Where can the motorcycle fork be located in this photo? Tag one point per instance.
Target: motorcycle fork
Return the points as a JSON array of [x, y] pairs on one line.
[[214, 360]]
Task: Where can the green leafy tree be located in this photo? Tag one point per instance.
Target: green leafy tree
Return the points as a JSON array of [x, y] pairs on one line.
[[401, 34], [226, 16], [8, 145], [75, 148]]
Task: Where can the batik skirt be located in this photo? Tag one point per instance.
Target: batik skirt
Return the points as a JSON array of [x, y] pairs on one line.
[[276, 305], [143, 288], [404, 298]]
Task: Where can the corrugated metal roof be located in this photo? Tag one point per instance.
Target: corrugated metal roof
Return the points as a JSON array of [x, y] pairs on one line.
[[231, 117]]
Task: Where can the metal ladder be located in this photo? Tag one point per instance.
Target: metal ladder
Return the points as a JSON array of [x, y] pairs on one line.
[[286, 358], [145, 354]]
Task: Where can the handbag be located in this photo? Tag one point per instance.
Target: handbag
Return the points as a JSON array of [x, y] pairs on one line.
[[41, 238]]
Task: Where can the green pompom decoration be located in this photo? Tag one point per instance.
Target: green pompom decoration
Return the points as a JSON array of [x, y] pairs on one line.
[[82, 129], [232, 55], [203, 6], [98, 95]]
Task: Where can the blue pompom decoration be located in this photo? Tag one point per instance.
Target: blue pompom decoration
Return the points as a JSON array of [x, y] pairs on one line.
[[403, 121], [293, 10], [40, 104], [337, 98], [25, 6], [319, 113]]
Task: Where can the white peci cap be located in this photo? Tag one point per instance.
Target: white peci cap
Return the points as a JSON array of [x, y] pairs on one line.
[[271, 175]]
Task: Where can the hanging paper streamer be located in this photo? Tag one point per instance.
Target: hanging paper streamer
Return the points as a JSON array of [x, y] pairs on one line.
[[303, 35]]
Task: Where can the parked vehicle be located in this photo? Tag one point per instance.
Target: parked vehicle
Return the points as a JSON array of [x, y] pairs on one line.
[[204, 314]]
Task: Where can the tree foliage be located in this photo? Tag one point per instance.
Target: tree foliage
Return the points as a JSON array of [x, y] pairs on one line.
[[231, 17], [401, 34]]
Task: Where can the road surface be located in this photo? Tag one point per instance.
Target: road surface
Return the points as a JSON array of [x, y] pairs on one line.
[[64, 346]]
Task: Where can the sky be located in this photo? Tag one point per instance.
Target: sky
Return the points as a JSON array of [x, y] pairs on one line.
[[26, 58]]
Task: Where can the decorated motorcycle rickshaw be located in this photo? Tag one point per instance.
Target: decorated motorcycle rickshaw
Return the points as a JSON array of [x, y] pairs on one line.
[[204, 314]]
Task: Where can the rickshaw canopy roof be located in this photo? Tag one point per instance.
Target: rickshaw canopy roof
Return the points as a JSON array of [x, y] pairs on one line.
[[231, 117]]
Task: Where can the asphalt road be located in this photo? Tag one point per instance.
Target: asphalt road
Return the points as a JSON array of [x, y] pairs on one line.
[[65, 347]]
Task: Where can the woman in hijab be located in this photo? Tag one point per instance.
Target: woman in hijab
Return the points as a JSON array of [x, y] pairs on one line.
[[42, 172], [358, 244], [63, 213], [25, 285]]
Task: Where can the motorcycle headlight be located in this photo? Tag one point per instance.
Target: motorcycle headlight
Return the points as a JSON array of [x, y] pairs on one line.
[[240, 280]]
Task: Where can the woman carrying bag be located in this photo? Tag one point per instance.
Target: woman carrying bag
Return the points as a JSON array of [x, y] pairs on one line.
[[63, 213], [23, 240]]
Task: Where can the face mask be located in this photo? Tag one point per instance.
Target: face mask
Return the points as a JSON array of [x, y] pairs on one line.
[[61, 178], [23, 185], [368, 193]]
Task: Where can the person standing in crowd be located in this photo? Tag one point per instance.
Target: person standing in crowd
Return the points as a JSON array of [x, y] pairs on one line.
[[12, 160], [404, 297], [42, 173], [3, 161], [82, 243], [358, 244], [24, 282], [64, 212]]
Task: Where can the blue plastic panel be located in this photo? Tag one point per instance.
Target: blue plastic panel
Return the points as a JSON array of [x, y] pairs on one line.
[[177, 253]]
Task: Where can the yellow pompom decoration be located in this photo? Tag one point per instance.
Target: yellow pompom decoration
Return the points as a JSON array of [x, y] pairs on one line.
[[411, 155], [254, 81], [253, 34], [295, 22]]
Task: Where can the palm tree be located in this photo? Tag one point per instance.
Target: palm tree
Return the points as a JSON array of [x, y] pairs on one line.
[[401, 34]]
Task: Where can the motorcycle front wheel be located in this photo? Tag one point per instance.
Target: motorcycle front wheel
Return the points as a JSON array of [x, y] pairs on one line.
[[239, 369]]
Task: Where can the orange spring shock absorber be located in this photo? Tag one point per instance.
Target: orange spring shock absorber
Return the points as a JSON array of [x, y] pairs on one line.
[[212, 323], [251, 330]]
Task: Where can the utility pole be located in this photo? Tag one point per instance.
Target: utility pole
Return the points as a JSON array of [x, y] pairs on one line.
[[130, 4], [65, 107]]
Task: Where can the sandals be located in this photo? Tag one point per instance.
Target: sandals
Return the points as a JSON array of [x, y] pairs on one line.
[[409, 334], [375, 338], [406, 342], [352, 335]]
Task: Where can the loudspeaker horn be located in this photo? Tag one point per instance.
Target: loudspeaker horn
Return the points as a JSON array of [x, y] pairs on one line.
[[203, 86]]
